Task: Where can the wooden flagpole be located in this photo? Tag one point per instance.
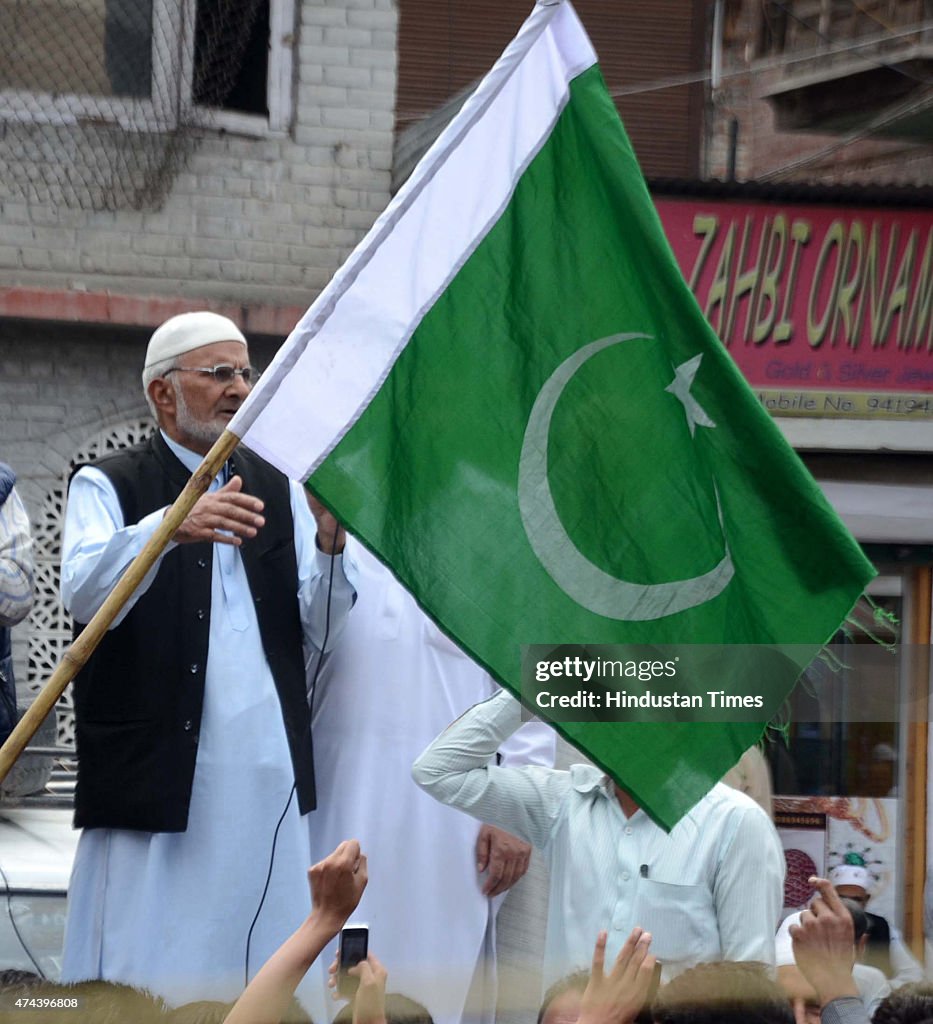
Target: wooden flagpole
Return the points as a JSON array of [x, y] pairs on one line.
[[76, 656]]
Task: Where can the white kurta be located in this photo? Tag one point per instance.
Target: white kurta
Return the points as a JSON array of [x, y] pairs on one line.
[[171, 911], [389, 687]]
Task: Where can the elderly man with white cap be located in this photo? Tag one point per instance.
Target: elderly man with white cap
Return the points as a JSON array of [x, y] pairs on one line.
[[192, 722]]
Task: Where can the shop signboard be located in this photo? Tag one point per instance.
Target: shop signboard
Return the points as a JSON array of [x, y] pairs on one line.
[[827, 310]]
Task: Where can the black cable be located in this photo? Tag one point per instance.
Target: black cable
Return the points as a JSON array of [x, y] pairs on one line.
[[313, 689], [265, 888], [22, 941]]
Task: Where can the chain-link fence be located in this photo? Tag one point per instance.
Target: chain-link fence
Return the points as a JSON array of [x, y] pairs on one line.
[[98, 98]]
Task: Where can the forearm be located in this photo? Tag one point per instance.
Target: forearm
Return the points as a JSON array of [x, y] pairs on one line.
[[456, 770], [91, 569], [98, 546], [269, 994], [326, 583], [453, 766]]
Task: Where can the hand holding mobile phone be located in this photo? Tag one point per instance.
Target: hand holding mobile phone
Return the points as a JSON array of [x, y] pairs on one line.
[[352, 948]]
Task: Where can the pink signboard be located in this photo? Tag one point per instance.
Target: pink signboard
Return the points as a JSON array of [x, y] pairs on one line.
[[827, 310]]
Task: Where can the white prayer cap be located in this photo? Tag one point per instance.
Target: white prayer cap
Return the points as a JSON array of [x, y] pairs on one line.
[[851, 874], [188, 331]]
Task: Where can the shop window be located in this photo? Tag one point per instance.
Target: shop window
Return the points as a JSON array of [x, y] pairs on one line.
[[842, 732], [836, 773]]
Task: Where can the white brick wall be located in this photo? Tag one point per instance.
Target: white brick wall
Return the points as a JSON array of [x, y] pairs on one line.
[[257, 220]]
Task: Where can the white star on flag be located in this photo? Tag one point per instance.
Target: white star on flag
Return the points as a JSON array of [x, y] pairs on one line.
[[680, 387]]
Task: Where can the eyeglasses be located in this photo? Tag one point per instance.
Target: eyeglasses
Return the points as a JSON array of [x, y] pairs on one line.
[[224, 373]]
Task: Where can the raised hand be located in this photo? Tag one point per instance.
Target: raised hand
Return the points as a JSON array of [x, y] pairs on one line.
[[617, 997], [331, 536], [337, 883], [824, 944]]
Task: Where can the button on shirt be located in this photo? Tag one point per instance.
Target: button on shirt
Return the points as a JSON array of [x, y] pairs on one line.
[[710, 889]]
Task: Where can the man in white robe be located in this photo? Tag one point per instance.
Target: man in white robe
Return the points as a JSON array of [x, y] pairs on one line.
[[384, 692], [170, 910]]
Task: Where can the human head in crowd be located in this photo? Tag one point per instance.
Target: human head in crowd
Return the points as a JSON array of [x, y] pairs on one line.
[[399, 1009], [859, 922], [11, 980], [187, 398], [910, 1004], [722, 993], [853, 882], [202, 1011], [561, 1004], [212, 1011], [95, 1002]]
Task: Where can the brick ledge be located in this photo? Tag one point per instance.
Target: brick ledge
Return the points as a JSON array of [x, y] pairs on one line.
[[139, 310]]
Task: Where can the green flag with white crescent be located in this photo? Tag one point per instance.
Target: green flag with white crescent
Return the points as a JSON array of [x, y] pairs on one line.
[[509, 394]]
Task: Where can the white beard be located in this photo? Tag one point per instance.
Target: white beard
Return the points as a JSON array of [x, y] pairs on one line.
[[197, 430]]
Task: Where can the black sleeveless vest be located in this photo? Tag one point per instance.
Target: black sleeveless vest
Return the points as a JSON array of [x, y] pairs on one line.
[[138, 700]]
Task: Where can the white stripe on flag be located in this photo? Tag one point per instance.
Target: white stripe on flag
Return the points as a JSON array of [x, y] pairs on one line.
[[339, 354]]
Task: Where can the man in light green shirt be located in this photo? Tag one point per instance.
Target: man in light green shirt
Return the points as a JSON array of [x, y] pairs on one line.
[[711, 889]]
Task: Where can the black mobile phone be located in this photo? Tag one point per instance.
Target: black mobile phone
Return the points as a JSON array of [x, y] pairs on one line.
[[352, 948]]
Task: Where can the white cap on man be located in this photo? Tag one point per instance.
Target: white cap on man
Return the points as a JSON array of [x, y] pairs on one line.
[[188, 331], [851, 874]]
